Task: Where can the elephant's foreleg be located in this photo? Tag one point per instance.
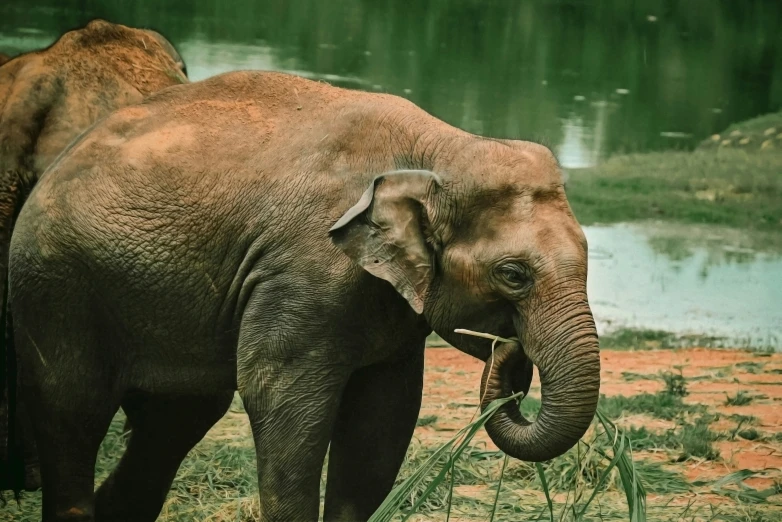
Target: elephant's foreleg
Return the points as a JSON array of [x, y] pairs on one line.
[[376, 420], [291, 402]]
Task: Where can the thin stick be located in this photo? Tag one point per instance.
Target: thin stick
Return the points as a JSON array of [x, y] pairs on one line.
[[484, 335]]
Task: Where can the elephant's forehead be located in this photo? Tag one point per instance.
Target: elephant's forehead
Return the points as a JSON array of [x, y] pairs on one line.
[[512, 211], [529, 228]]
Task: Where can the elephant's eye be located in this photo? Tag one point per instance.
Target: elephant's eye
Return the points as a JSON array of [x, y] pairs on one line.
[[514, 276]]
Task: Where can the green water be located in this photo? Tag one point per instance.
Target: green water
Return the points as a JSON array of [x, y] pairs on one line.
[[587, 77]]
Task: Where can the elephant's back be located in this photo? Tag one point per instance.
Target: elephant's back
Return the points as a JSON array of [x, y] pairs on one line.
[[253, 147], [221, 153], [242, 131]]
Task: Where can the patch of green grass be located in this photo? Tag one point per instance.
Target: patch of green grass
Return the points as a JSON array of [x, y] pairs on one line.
[[751, 367], [697, 439], [690, 440], [661, 481], [637, 339], [740, 399], [750, 134], [744, 420], [662, 405], [430, 475], [749, 434], [723, 372], [675, 384], [633, 377], [426, 420], [727, 187], [643, 439]]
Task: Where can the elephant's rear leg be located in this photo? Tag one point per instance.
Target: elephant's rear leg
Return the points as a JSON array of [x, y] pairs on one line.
[[165, 428], [71, 411]]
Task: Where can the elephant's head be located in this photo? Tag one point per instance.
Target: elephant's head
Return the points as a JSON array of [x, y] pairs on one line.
[[493, 246], [170, 50]]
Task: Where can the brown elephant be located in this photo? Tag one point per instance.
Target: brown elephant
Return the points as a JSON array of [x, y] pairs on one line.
[[297, 242], [4, 58], [48, 98]]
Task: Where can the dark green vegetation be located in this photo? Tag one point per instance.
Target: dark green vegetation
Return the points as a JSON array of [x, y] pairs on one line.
[[749, 434], [761, 133], [642, 339], [634, 339], [733, 179], [675, 384], [688, 438], [427, 420]]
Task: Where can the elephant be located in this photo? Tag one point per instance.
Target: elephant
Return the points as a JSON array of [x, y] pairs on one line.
[[48, 98], [4, 58], [297, 242]]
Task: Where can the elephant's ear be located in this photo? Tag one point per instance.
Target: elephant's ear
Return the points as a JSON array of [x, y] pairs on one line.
[[385, 232]]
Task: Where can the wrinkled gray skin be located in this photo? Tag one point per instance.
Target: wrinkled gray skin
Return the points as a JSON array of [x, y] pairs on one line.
[[297, 242]]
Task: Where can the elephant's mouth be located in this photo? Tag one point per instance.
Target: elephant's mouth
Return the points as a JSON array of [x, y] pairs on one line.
[[518, 370]]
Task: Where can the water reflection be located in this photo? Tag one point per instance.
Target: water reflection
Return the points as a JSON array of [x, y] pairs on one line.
[[583, 141], [687, 280], [212, 58], [588, 78]]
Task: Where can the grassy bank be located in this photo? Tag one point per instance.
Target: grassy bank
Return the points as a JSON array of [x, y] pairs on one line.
[[734, 179]]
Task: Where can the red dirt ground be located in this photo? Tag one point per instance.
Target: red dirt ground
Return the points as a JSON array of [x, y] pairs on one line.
[[452, 380]]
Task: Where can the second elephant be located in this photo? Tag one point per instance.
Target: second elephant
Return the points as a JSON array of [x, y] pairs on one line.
[[48, 98]]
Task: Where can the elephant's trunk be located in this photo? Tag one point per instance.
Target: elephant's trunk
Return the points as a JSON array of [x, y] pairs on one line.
[[568, 361]]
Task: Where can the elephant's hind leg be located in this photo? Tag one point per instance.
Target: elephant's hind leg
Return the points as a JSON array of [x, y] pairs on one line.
[[165, 428], [71, 407]]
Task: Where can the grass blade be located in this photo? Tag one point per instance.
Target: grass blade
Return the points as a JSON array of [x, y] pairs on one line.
[[631, 482], [543, 481], [618, 452], [499, 486]]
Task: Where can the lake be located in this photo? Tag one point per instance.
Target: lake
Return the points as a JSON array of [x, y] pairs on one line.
[[698, 281], [587, 78]]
